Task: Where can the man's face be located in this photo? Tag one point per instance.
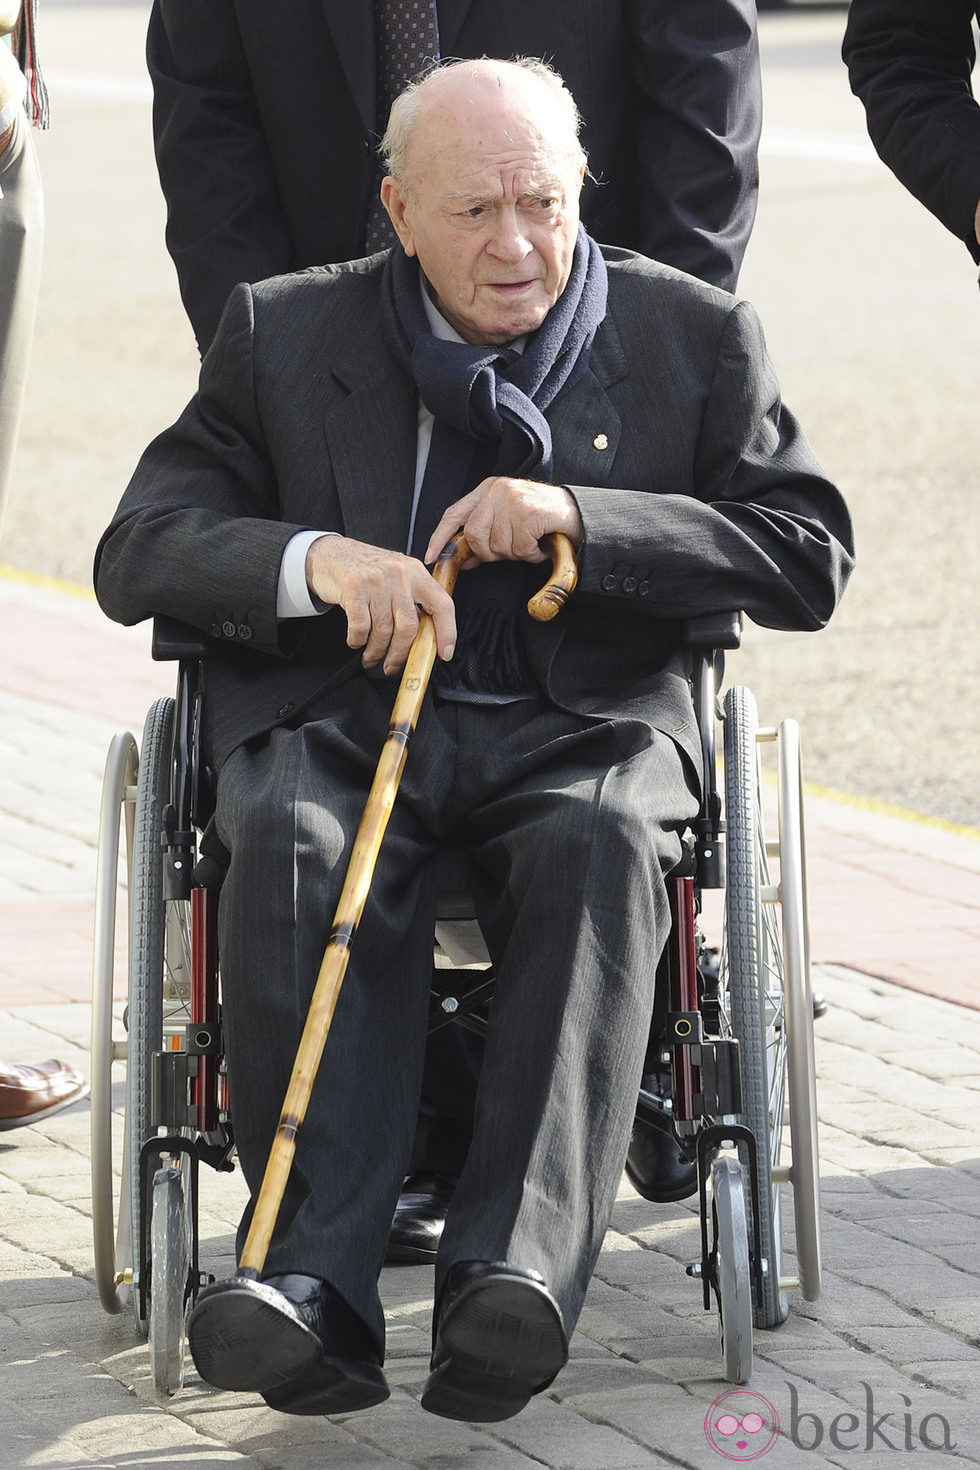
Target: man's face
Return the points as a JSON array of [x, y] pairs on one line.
[[491, 210]]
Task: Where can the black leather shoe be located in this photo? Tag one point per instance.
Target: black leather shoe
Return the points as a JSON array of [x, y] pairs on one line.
[[499, 1340], [655, 1166], [292, 1338], [419, 1217]]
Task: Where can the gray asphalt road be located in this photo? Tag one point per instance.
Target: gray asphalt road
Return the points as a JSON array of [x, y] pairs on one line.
[[872, 317]]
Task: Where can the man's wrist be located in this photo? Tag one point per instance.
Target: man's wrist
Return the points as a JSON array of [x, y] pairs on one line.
[[295, 598]]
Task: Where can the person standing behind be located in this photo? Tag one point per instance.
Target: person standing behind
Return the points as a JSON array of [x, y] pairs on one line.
[[21, 222], [266, 124], [910, 62], [251, 99]]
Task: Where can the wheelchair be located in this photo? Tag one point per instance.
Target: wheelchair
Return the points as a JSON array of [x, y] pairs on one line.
[[737, 1033]]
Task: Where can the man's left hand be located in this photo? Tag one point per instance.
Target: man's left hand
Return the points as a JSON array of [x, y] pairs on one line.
[[505, 520]]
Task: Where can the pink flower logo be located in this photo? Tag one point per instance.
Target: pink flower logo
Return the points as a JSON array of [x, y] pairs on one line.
[[741, 1425]]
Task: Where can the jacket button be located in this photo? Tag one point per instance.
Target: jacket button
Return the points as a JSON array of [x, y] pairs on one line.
[[608, 583], [228, 629], [629, 584], [244, 632]]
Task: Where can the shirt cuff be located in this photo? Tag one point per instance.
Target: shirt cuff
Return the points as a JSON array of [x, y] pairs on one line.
[[293, 599]]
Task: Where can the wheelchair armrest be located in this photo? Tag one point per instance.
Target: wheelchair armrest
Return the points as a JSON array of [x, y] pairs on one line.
[[173, 639], [714, 630]]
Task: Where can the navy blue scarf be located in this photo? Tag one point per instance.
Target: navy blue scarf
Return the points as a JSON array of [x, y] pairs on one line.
[[489, 407]]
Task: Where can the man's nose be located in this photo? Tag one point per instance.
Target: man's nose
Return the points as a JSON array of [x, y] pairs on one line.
[[509, 241]]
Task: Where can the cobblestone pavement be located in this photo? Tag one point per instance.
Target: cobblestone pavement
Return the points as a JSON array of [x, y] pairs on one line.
[[884, 1364]]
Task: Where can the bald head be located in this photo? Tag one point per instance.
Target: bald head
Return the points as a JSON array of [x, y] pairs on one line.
[[485, 172], [463, 88]]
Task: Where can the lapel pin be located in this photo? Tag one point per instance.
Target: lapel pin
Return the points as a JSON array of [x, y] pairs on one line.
[[600, 442]]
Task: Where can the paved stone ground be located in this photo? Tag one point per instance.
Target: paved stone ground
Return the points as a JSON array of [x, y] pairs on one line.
[[895, 1327], [894, 1333]]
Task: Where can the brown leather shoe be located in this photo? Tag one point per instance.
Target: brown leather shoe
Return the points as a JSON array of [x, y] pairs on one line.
[[28, 1094]]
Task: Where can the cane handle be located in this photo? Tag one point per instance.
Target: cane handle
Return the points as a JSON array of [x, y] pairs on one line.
[[544, 604], [561, 584]]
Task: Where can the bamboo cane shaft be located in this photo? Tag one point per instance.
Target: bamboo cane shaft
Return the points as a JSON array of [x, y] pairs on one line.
[[350, 906]]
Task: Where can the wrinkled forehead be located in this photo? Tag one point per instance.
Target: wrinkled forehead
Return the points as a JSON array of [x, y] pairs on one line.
[[488, 166], [489, 133]]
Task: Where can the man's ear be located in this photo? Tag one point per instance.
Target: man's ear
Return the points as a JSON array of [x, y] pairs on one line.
[[394, 199]]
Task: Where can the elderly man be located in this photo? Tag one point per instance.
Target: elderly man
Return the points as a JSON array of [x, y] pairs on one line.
[[266, 146], [494, 371]]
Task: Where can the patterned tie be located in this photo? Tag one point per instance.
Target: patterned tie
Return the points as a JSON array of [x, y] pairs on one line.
[[406, 38]]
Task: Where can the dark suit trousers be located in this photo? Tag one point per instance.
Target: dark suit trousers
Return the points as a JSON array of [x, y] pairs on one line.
[[570, 824]]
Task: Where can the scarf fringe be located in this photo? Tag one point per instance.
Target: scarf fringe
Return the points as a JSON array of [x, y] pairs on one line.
[[489, 657]]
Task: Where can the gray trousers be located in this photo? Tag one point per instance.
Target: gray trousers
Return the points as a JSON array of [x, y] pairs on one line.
[[21, 232], [570, 824]]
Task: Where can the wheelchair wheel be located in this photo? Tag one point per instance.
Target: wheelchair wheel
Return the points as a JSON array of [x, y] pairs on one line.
[[170, 1264], [159, 973], [753, 975], [112, 1238], [731, 1267]]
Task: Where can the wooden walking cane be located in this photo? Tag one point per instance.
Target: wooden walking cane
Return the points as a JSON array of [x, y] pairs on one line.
[[408, 702]]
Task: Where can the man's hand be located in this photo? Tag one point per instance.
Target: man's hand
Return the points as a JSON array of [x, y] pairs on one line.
[[976, 222], [504, 520], [382, 593]]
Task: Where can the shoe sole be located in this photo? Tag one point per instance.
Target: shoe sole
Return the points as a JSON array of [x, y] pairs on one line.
[[662, 1196], [333, 1386], [504, 1341], [244, 1335], [410, 1255], [48, 1112]]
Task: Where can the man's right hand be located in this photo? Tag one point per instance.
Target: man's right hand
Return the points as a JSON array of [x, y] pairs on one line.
[[382, 593]]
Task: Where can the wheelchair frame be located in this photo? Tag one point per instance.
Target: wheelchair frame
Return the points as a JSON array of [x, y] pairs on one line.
[[739, 1039]]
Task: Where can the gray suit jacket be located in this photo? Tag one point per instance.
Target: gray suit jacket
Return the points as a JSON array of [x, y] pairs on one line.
[[697, 488]]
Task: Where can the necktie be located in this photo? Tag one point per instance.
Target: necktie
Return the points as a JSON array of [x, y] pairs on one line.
[[406, 38]]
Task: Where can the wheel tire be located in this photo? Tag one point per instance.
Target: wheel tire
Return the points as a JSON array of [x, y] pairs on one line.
[[147, 925], [732, 1267], [170, 1257], [754, 981]]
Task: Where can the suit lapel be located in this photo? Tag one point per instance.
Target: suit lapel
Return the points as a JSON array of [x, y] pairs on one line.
[[372, 437], [585, 426], [352, 30]]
